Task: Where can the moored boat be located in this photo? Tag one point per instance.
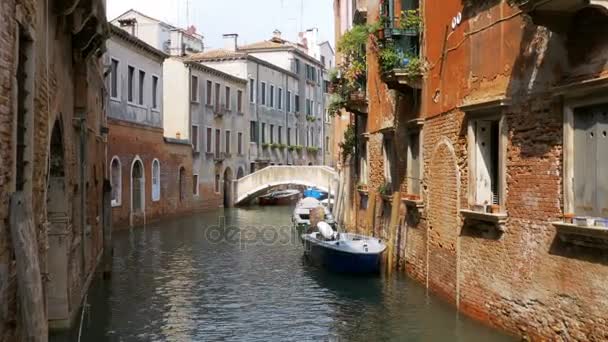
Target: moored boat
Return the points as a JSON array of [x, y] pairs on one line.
[[301, 214], [343, 252], [315, 193]]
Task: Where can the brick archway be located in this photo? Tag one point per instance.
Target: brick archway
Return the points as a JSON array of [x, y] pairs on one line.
[[444, 183]]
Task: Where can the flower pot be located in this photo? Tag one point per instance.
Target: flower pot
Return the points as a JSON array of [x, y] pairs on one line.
[[584, 221], [494, 209], [601, 222], [568, 218]]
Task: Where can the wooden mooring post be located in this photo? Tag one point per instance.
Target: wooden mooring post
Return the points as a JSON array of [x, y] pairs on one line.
[[29, 280]]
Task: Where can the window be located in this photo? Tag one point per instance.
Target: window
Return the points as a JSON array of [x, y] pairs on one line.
[[413, 162], [486, 161], [217, 95], [590, 143], [228, 98], [114, 79], [195, 138], [297, 103], [195, 185], [323, 61], [253, 131], [240, 143], [280, 99], [280, 132], [239, 101], [363, 163], [217, 183], [130, 76], [228, 142], [263, 133], [194, 89], [297, 66], [209, 93], [24, 105], [142, 77], [288, 136], [251, 90], [272, 134], [154, 91], [271, 96], [308, 107], [326, 87], [217, 143], [297, 136], [326, 146], [263, 93], [155, 180], [288, 105], [116, 181], [209, 139]]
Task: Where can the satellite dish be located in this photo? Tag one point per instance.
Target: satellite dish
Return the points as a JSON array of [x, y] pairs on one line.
[[459, 18]]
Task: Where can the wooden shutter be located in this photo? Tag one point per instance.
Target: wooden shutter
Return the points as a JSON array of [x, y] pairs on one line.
[[484, 167], [584, 162]]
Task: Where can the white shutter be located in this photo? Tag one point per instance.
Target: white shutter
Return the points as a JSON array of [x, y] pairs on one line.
[[483, 135]]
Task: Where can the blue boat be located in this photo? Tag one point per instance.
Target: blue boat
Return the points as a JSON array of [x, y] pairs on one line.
[[315, 193], [345, 252]]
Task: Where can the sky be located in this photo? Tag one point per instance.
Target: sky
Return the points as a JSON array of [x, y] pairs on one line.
[[253, 20]]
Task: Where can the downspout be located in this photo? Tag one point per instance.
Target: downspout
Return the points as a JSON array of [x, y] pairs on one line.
[[323, 139], [287, 138], [258, 126]]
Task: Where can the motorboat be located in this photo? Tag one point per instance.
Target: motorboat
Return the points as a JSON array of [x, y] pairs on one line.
[[281, 197], [315, 193], [301, 213], [343, 252]]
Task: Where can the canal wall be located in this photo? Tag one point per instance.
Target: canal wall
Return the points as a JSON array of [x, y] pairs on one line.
[[514, 266]]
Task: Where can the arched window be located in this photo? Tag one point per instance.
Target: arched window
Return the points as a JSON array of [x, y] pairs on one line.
[[116, 181], [137, 186], [155, 180]]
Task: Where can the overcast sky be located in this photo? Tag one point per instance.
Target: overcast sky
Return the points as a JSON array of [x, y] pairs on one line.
[[253, 20]]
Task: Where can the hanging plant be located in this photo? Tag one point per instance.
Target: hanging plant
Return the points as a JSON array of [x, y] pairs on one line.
[[411, 20]]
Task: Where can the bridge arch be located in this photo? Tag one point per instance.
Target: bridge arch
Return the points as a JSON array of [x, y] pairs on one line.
[[259, 182]]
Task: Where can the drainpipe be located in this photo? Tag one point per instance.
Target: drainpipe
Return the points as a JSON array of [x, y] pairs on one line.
[[258, 126], [285, 95]]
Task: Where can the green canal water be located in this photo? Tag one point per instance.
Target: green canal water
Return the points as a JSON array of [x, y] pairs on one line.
[[240, 275]]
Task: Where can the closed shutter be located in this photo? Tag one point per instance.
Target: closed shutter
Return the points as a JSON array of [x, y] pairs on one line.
[[585, 167], [601, 180], [483, 134]]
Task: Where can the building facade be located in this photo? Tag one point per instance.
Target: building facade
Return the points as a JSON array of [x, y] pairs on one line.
[[167, 38], [279, 131], [480, 156], [54, 223], [209, 109]]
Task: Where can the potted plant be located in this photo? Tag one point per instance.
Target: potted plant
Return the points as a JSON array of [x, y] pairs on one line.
[[411, 22], [494, 209], [569, 218]]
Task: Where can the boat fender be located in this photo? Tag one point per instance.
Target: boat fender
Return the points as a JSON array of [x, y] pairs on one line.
[[326, 230], [365, 247]]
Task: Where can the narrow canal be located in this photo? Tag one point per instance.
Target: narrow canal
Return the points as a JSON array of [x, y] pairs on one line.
[[191, 280]]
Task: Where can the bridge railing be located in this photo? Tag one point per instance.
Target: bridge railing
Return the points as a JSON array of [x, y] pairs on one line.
[[254, 184]]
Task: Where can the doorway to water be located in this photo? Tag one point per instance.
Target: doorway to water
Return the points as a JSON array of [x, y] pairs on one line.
[[228, 188]]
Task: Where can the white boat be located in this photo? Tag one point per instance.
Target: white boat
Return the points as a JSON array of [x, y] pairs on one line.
[[301, 213]]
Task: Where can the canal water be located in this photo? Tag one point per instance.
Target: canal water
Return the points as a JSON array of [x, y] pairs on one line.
[[240, 275]]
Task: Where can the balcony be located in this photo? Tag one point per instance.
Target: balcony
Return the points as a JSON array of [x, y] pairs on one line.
[[357, 102], [219, 111], [556, 14], [401, 64], [89, 25]]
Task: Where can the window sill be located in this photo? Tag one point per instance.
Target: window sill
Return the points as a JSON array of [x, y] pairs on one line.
[[498, 220], [115, 99], [116, 205], [155, 110], [417, 204], [586, 236], [208, 105], [195, 101]]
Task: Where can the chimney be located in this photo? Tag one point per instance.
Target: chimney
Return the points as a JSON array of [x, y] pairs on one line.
[[230, 41], [276, 34]]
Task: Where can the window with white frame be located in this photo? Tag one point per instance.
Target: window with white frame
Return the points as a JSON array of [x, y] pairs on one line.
[[130, 83], [195, 185], [414, 173], [280, 98], [288, 105], [296, 103], [280, 134], [155, 180], [271, 96], [195, 138], [114, 92], [271, 133], [227, 99], [142, 77], [263, 93], [486, 148], [116, 181], [228, 142], [218, 102], [240, 143], [218, 142], [209, 140], [154, 92], [239, 101], [251, 90], [194, 88], [209, 93]]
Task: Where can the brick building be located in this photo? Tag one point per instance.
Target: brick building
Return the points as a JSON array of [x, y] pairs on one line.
[[478, 157], [52, 213], [152, 176]]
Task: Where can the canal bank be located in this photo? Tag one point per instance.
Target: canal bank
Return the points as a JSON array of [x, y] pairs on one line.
[[187, 279]]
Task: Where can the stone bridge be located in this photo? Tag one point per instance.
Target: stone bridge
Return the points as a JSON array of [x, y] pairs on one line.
[[259, 182]]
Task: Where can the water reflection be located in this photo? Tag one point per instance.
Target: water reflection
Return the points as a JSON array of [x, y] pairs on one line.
[[172, 283]]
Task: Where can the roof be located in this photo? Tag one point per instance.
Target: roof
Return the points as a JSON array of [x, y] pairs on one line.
[[267, 45], [215, 72], [220, 55], [328, 44], [196, 35], [116, 31]]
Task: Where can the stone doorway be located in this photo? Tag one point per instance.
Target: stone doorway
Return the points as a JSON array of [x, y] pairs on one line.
[[137, 188]]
